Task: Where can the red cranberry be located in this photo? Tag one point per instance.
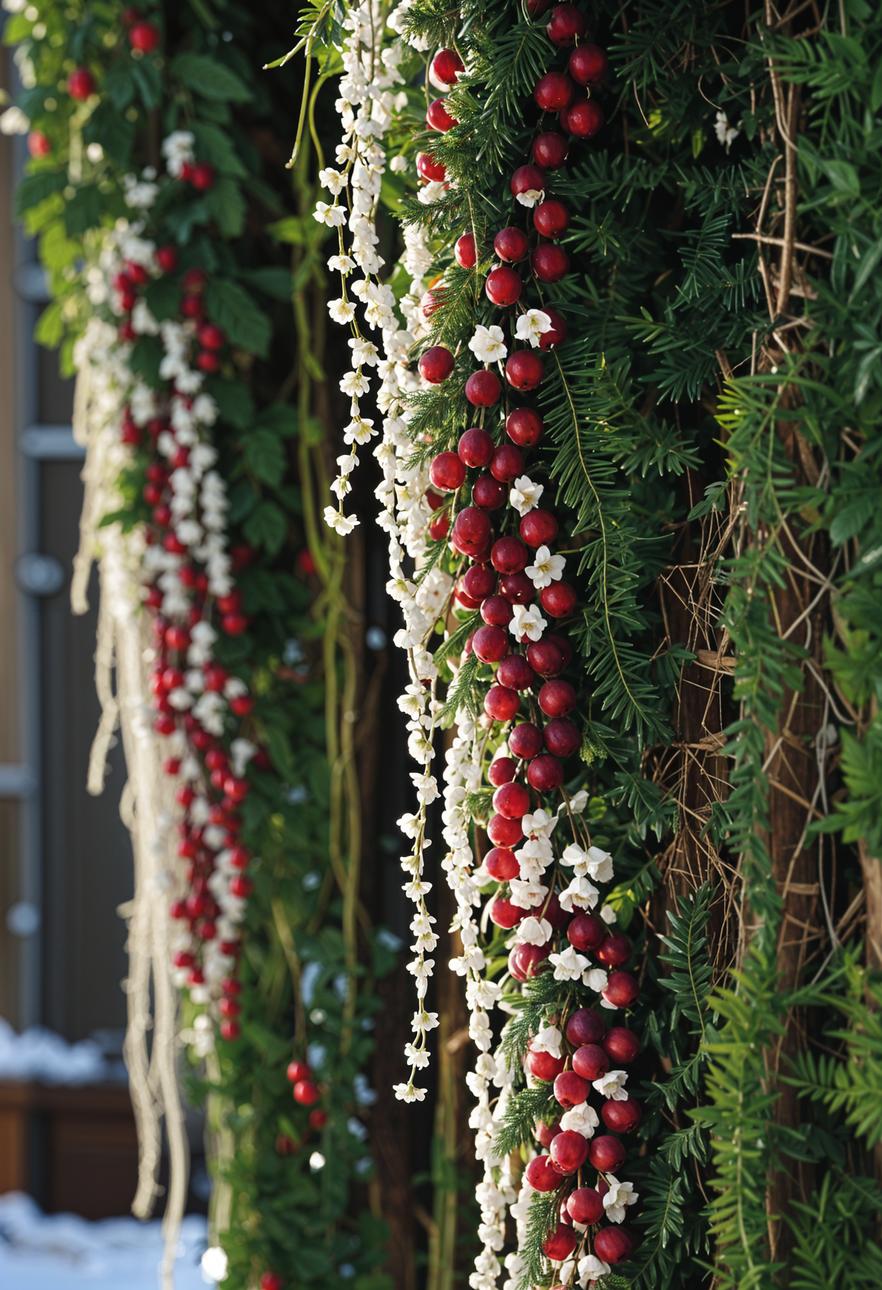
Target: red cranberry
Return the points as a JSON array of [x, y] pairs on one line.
[[447, 472], [563, 645], [143, 37], [510, 244], [436, 364], [559, 599], [546, 658], [483, 388], [488, 493], [545, 773], [471, 531], [556, 698], [570, 1090], [507, 463], [445, 68], [475, 448], [542, 1175], [525, 960], [39, 144], [543, 1065], [524, 427], [588, 64], [512, 801], [503, 286], [515, 672], [465, 252], [615, 950], [462, 597], [562, 737], [81, 84], [562, 1241], [613, 1244], [553, 92], [621, 990], [621, 1117], [569, 1150], [429, 168], [524, 369], [585, 1205], [508, 555], [500, 862], [527, 179], [438, 118], [538, 528], [566, 24], [583, 118], [439, 528], [525, 740], [517, 588], [606, 1153], [202, 177], [496, 611], [297, 1071], [586, 931], [549, 149], [479, 581], [503, 832], [502, 770], [557, 333], [500, 703], [504, 914], [490, 644], [590, 1061], [621, 1044], [546, 1133], [306, 1092], [585, 1026], [551, 218], [550, 262]]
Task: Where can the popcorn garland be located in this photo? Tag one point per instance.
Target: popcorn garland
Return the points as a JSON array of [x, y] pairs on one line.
[[548, 872]]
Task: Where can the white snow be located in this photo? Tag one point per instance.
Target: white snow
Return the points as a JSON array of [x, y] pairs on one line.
[[38, 1054], [61, 1252]]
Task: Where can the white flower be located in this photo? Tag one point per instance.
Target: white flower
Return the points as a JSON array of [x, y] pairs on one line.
[[568, 965], [597, 980], [533, 931], [531, 197], [546, 568], [525, 494], [333, 180], [599, 864], [617, 1199], [540, 823], [408, 1093], [579, 894], [488, 344], [14, 121], [547, 1040], [527, 621], [612, 1085], [581, 1119], [726, 133], [533, 325], [332, 216], [591, 1269], [341, 311], [340, 523]]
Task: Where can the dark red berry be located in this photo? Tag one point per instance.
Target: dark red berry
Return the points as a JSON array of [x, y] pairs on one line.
[[511, 244], [524, 427], [570, 1090], [550, 262], [551, 218], [436, 364], [615, 950], [554, 91], [524, 369], [479, 581], [562, 737], [81, 84], [438, 118], [517, 588], [558, 600], [606, 1153], [542, 1175], [503, 286], [568, 1151], [566, 24], [488, 493], [613, 1244], [545, 773], [527, 179], [512, 801], [504, 914], [464, 251], [507, 463], [585, 932], [447, 472], [508, 555], [500, 862], [546, 658], [556, 698], [621, 1117], [621, 1044], [588, 64], [497, 611], [550, 149], [525, 740], [483, 389], [585, 1205], [621, 990], [503, 832], [429, 168], [515, 672], [471, 531], [583, 118], [557, 334], [490, 644], [585, 1026], [445, 68], [475, 448], [500, 703], [538, 528]]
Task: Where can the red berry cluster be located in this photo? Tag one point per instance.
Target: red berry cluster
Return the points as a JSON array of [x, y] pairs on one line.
[[143, 37], [529, 698], [306, 1093]]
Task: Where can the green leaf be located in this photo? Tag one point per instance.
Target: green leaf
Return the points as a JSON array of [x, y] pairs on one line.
[[50, 328], [85, 210], [273, 282], [234, 310], [209, 78], [279, 418], [110, 128], [266, 527], [264, 455], [225, 203], [216, 147], [36, 187]]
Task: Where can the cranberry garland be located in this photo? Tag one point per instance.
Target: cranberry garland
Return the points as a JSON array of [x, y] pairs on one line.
[[512, 576]]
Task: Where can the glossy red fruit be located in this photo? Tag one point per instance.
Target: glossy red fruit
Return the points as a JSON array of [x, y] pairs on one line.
[[515, 672], [511, 244], [606, 1153], [585, 1205], [566, 24], [271, 1281], [613, 1244], [471, 531], [621, 1044], [490, 644], [500, 862], [488, 493], [562, 1241], [525, 960], [447, 472], [558, 600], [512, 801], [438, 118], [306, 1092], [507, 463], [208, 361], [445, 68], [509, 555], [496, 611], [543, 1065], [500, 703], [479, 581], [554, 91], [585, 1026], [551, 218], [569, 1150], [436, 364], [503, 286], [621, 1117], [583, 118], [439, 527], [504, 914], [429, 168], [585, 932], [524, 368], [81, 84], [525, 740], [475, 448], [143, 37], [562, 737], [517, 588], [39, 144], [465, 252], [546, 1133], [483, 388], [622, 989], [546, 658], [297, 1071], [557, 333], [503, 832], [542, 1175], [550, 262], [545, 773], [524, 427], [556, 698], [590, 1061], [570, 1090], [550, 149], [527, 179], [538, 528], [615, 950], [202, 177], [563, 645], [588, 64], [502, 770]]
